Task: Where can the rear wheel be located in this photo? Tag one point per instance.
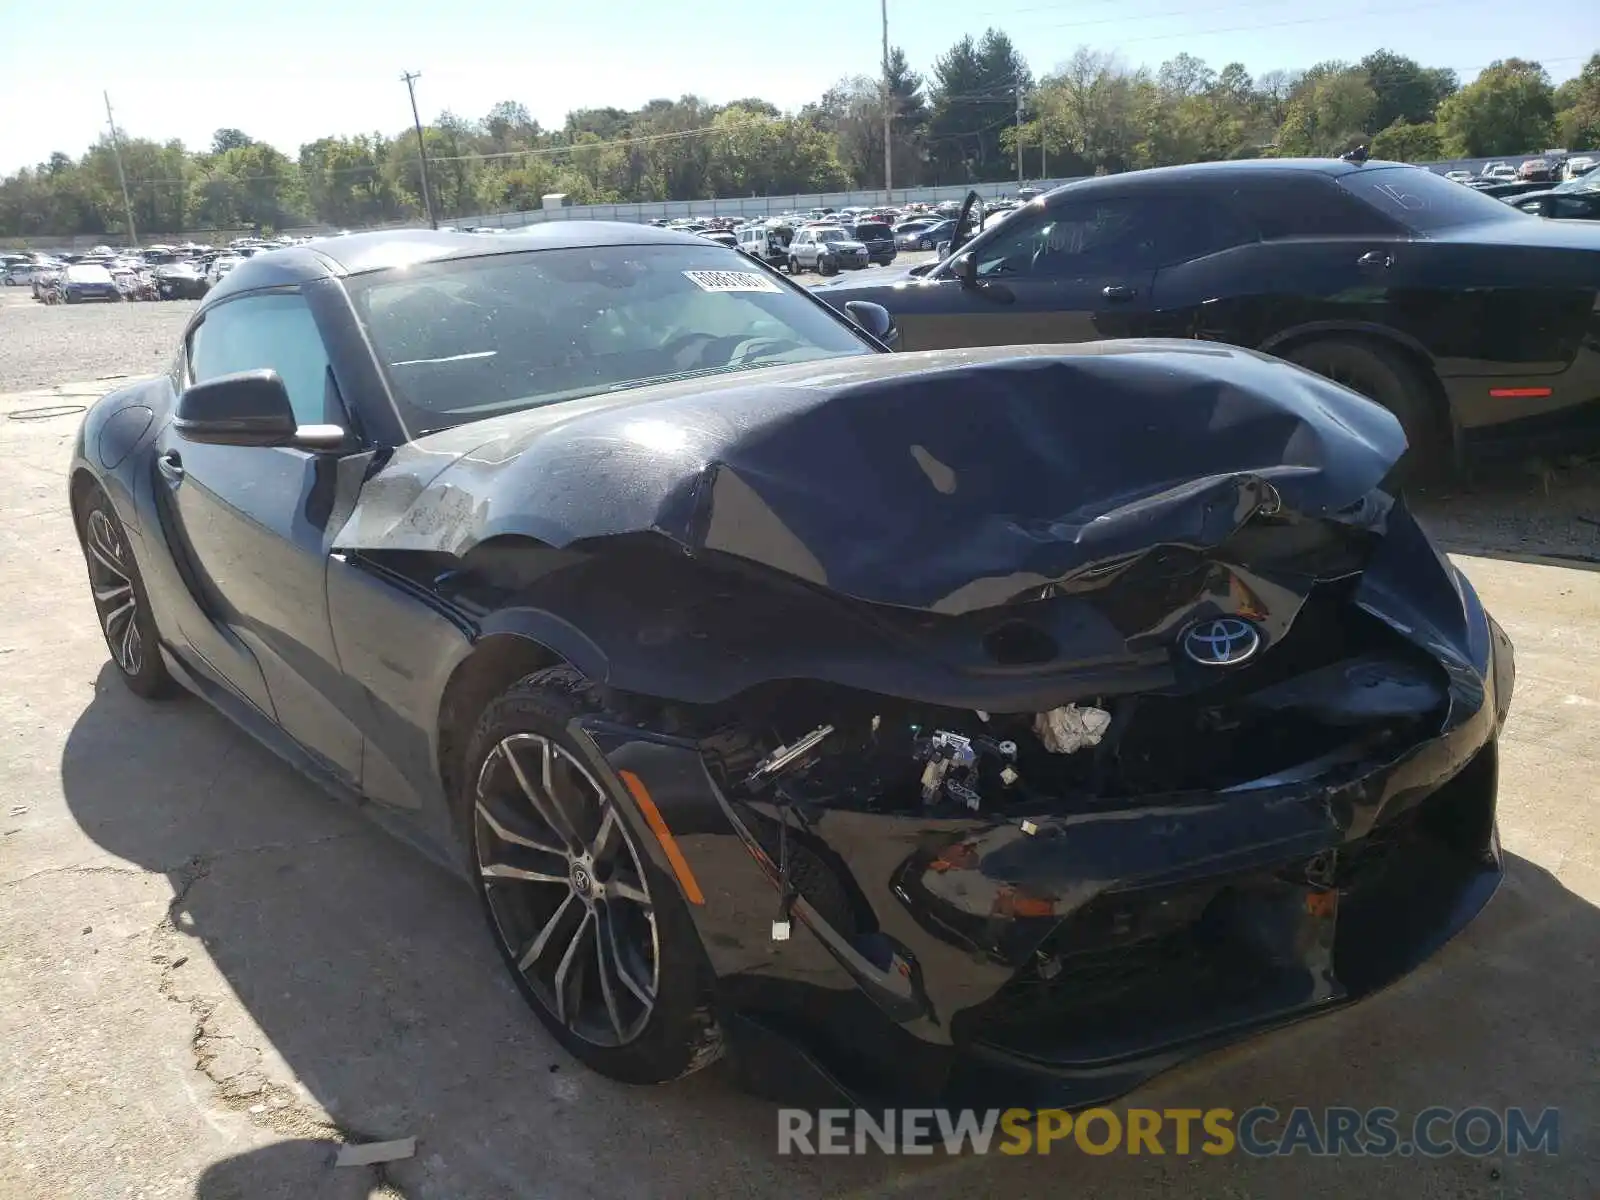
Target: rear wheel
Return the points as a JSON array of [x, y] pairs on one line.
[[596, 937], [120, 600], [1385, 376]]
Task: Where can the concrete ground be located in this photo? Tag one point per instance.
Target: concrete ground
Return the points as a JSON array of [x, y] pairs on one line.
[[210, 973]]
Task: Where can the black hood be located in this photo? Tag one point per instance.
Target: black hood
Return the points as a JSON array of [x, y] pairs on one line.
[[945, 480]]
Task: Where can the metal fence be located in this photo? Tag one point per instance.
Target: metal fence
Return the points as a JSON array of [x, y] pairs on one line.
[[747, 206]]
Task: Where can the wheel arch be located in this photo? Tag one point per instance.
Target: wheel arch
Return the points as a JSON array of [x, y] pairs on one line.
[[82, 483], [495, 662], [1409, 349]]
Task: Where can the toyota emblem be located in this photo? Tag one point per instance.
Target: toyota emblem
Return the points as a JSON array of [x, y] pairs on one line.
[[1221, 642]]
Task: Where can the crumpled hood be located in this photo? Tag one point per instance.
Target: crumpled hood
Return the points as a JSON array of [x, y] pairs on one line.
[[944, 480]]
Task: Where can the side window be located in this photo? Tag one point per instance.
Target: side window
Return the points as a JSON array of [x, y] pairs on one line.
[[275, 332], [1305, 205], [1094, 237]]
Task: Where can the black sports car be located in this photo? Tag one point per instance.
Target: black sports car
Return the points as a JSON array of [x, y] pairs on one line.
[[1577, 199], [1478, 328], [1006, 723]]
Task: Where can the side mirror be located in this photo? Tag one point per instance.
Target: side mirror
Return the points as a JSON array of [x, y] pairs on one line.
[[875, 319], [248, 408], [965, 268]]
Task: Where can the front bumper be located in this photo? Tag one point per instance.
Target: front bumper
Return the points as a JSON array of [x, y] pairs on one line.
[[986, 962]]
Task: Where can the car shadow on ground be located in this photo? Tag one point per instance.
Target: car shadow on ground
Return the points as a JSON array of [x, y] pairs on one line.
[[1529, 511], [311, 947]]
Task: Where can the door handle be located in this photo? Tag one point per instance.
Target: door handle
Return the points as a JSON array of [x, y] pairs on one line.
[[170, 464], [1375, 258], [1116, 292]]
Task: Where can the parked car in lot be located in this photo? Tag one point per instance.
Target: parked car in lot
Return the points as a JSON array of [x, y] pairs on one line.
[[713, 618], [17, 270], [82, 281], [766, 240], [220, 266], [1469, 320], [1578, 199], [827, 250], [43, 278], [721, 237], [1459, 176], [924, 235], [1534, 170], [180, 279], [878, 238]]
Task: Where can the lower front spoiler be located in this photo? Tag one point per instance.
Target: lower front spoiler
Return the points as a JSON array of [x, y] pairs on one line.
[[1278, 950]]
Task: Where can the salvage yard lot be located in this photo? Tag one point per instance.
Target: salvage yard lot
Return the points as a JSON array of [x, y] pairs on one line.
[[208, 971]]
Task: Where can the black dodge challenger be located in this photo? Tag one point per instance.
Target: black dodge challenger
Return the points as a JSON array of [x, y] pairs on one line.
[[1478, 328], [995, 725]]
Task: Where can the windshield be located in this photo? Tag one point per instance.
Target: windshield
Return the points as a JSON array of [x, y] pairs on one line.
[[1421, 200], [872, 230], [470, 338], [832, 235]]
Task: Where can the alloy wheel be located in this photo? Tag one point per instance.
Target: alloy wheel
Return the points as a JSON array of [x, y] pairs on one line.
[[111, 580], [566, 889]]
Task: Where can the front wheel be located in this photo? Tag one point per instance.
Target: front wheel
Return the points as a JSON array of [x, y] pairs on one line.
[[596, 937], [120, 600]]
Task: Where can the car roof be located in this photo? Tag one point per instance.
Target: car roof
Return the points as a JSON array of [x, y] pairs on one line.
[[1212, 172], [358, 253]]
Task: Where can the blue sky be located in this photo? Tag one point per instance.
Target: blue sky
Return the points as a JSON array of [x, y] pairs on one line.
[[293, 70]]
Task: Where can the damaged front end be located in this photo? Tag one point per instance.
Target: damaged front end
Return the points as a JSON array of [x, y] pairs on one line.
[[1048, 900], [1028, 721]]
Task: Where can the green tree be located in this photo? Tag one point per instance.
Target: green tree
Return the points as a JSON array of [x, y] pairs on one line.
[[224, 140], [1330, 112], [1508, 109], [1578, 108], [1403, 89], [1404, 142]]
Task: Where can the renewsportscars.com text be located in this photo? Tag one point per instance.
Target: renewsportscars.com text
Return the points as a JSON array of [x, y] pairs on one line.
[[1260, 1131]]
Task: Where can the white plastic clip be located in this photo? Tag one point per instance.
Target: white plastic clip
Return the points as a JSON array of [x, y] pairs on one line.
[[780, 931]]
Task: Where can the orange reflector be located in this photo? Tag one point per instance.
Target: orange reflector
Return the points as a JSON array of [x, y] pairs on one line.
[[1518, 393], [669, 844]]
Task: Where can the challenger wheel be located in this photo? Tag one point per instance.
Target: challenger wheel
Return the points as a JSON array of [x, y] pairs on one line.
[[120, 600], [598, 940], [1383, 375]]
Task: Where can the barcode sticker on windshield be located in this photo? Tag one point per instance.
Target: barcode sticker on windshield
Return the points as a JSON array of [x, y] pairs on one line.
[[731, 281]]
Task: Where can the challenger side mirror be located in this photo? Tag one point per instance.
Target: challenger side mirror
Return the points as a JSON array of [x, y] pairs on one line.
[[965, 268], [248, 408], [875, 319]]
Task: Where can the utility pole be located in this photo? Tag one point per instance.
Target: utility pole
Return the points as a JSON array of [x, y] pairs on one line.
[[1019, 129], [888, 114], [116, 149], [410, 79]]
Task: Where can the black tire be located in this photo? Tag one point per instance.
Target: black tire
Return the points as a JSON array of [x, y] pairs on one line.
[[794, 265], [826, 266], [114, 581], [677, 1033], [1384, 375]]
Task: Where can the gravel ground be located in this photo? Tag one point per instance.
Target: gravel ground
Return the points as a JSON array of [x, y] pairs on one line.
[[66, 344]]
